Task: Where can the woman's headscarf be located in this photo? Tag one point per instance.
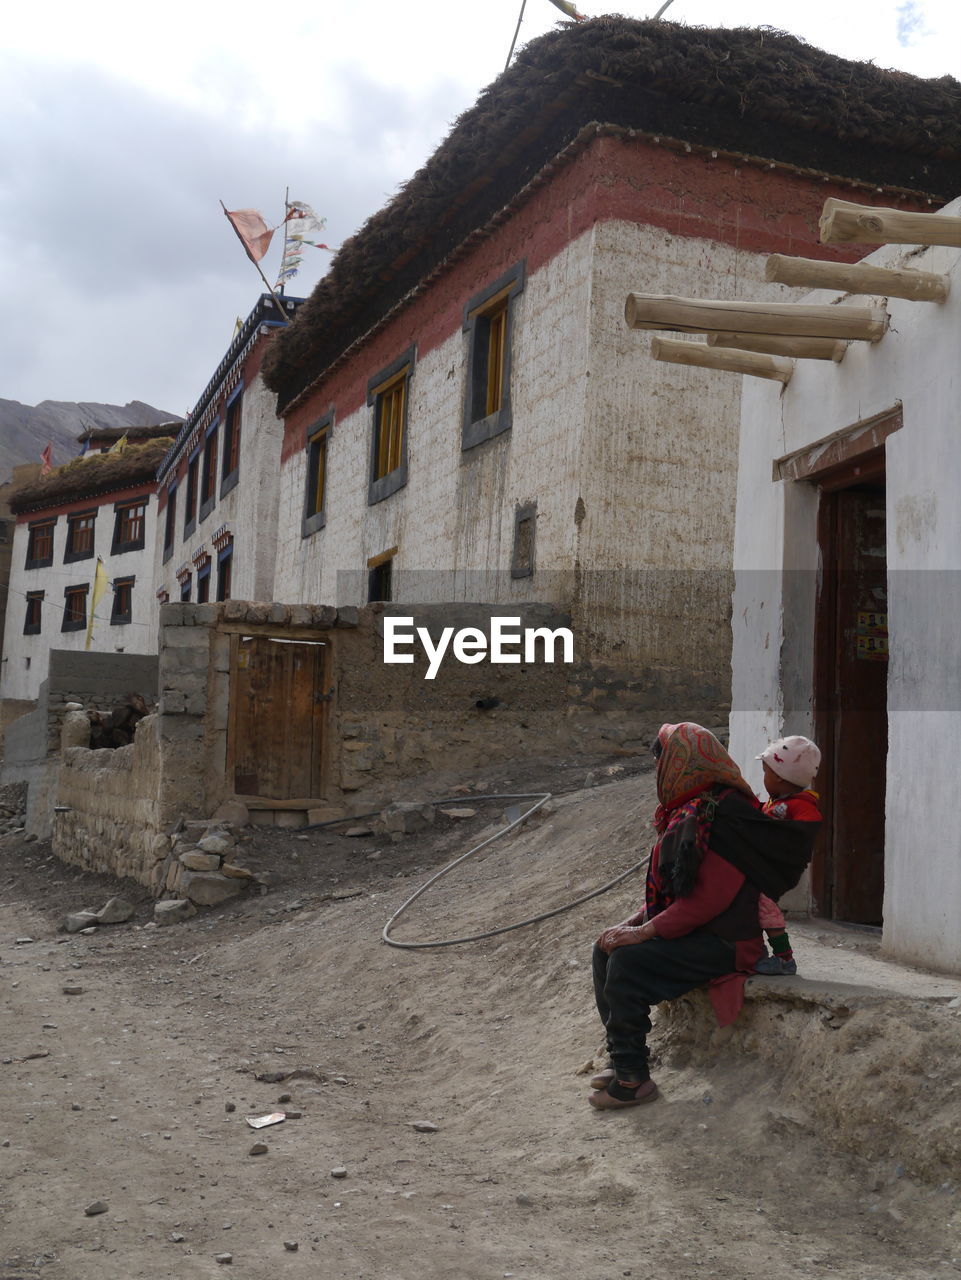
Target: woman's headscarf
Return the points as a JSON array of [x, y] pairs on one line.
[[691, 760]]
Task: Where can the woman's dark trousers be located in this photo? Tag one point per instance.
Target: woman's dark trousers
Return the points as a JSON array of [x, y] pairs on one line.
[[631, 979]]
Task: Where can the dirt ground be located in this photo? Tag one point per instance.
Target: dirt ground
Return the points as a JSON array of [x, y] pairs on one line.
[[134, 1090]]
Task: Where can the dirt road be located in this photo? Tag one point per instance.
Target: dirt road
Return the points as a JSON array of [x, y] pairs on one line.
[[144, 1078]]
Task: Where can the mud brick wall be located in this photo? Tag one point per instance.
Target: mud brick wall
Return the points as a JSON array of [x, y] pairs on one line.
[[112, 815]]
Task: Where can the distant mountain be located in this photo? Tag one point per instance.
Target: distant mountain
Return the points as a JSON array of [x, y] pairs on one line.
[[26, 430]]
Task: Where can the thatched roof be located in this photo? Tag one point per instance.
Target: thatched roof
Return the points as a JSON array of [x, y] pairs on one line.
[[92, 476], [756, 92], [153, 432]]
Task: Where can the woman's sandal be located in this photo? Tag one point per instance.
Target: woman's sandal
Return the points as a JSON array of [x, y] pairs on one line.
[[618, 1095]]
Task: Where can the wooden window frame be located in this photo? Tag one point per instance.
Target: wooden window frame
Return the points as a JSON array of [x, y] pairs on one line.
[[225, 561], [33, 625], [35, 528], [123, 543], [185, 588], [489, 379], [230, 444], [208, 472], [192, 495], [203, 583], [79, 623], [71, 553], [317, 443], [395, 376], [122, 595]]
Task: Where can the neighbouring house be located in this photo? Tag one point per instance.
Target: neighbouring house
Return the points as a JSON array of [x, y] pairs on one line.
[[217, 532], [847, 609], [467, 416], [99, 507]]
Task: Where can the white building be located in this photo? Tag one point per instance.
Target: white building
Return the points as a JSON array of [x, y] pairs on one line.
[[466, 414], [101, 506], [847, 609], [217, 534]]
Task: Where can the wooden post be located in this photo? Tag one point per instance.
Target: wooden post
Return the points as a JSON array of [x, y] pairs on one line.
[[783, 319], [857, 277], [845, 223], [704, 357], [795, 348]]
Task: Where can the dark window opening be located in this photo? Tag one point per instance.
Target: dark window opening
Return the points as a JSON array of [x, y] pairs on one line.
[[185, 586], [80, 536], [40, 544], [74, 608], [203, 584], [231, 445], [122, 610], [380, 582], [170, 525], [208, 481], [224, 562], [190, 502], [33, 621]]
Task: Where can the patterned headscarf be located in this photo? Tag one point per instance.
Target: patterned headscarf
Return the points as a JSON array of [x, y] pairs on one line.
[[691, 760]]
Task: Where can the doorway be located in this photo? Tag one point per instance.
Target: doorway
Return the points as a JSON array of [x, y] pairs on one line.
[[851, 680], [275, 731]]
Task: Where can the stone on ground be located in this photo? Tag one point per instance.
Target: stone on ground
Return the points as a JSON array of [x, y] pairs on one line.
[[173, 910]]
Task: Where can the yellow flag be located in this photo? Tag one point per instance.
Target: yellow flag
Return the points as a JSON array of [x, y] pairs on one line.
[[100, 584], [120, 445]]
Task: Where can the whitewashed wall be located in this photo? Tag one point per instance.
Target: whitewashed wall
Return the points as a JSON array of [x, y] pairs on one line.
[[917, 365], [249, 510], [25, 658], [455, 516]]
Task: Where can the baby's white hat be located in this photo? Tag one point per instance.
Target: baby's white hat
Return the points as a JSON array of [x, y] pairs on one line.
[[795, 759]]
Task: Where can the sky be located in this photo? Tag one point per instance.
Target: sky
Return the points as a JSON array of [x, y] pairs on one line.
[[123, 128]]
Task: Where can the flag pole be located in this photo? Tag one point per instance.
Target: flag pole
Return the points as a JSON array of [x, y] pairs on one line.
[[280, 306]]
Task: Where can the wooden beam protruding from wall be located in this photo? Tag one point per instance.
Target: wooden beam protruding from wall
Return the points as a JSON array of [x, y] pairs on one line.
[[783, 319], [844, 223], [857, 277], [726, 358], [794, 348]]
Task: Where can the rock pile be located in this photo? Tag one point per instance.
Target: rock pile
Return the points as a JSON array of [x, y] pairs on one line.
[[13, 807], [203, 867]]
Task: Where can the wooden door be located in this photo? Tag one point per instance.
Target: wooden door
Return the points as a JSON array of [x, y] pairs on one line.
[[851, 703], [277, 701]]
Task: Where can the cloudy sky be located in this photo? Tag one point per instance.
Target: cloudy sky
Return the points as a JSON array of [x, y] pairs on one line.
[[124, 127]]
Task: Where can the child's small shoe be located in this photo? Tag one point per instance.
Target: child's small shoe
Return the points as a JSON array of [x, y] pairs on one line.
[[775, 967]]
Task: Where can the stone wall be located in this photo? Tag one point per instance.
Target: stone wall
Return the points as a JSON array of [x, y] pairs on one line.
[[32, 743]]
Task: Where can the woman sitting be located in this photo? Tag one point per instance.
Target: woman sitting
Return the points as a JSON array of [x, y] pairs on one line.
[[715, 854]]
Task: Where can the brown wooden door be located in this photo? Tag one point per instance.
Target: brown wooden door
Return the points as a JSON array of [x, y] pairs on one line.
[[276, 717], [852, 704]]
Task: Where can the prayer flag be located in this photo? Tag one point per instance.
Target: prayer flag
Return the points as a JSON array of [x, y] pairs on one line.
[[253, 232], [119, 445], [100, 581], [565, 6], [46, 460]]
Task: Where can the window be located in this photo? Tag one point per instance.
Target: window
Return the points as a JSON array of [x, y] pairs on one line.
[[388, 393], [170, 523], [231, 446], [122, 611], [522, 560], [80, 533], [203, 583], [487, 323], [224, 562], [32, 622], [74, 608], [185, 584], [208, 478], [315, 496], [190, 504], [380, 581], [40, 544], [131, 522]]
